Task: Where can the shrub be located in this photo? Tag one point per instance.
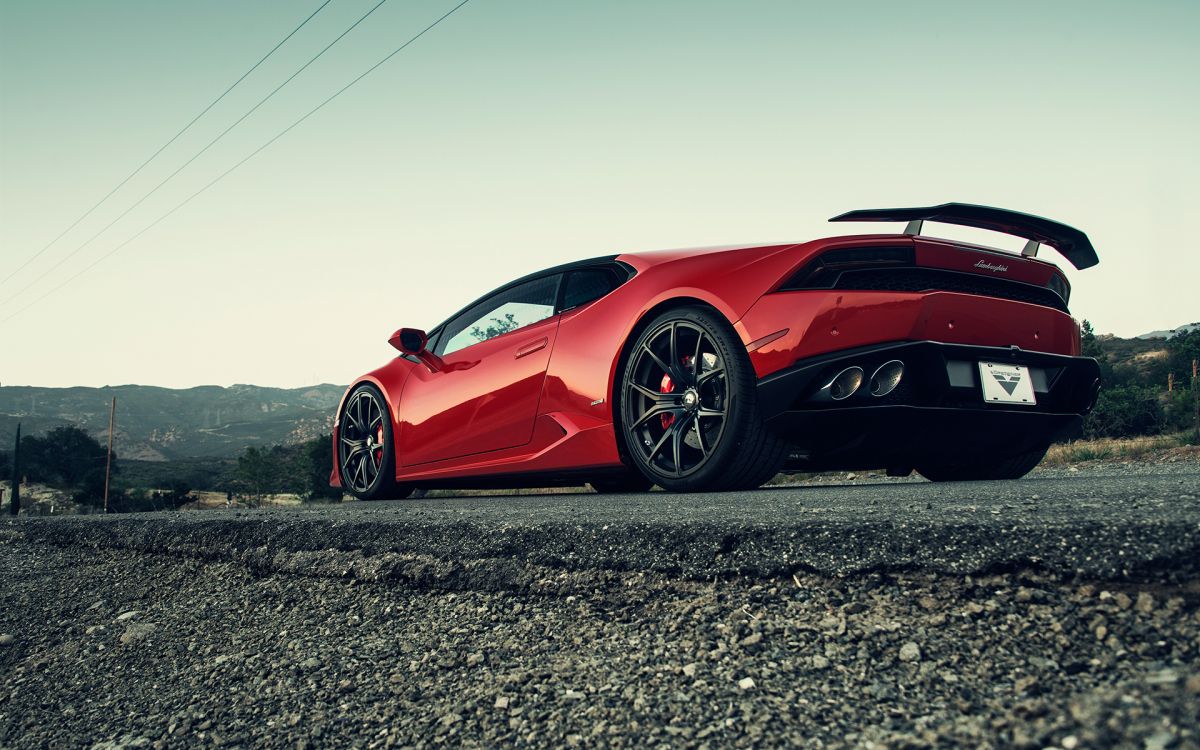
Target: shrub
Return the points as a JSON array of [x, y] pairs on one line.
[[1181, 409], [1125, 410]]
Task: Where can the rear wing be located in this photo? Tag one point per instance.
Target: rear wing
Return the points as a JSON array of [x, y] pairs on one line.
[[1073, 244]]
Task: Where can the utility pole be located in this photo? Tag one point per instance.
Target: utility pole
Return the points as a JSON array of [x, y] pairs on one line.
[[112, 420], [1196, 398], [15, 506]]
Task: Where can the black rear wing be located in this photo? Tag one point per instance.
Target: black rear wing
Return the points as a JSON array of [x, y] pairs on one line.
[[1073, 244]]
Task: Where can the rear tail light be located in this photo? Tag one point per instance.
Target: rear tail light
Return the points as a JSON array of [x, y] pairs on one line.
[[1059, 287], [823, 271]]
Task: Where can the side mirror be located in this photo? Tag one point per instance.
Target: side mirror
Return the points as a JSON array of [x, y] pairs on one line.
[[412, 341]]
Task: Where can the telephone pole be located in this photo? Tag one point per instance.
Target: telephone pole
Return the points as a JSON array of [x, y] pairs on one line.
[[15, 504], [1195, 398], [112, 420]]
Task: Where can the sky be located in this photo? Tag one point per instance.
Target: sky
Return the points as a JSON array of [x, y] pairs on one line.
[[519, 134]]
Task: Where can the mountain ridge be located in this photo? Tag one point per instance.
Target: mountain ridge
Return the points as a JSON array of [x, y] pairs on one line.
[[156, 423]]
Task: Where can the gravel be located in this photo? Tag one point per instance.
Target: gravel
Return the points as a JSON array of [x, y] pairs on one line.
[[223, 656], [890, 615]]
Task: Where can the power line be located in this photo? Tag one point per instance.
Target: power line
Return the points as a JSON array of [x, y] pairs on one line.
[[245, 159], [163, 147], [197, 155]]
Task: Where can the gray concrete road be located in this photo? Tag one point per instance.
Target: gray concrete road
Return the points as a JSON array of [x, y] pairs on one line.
[[1098, 525]]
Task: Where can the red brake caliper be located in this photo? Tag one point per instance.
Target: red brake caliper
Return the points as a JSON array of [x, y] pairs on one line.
[[667, 387], [379, 439]]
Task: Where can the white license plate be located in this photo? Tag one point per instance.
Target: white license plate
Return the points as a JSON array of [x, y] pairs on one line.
[[1006, 384]]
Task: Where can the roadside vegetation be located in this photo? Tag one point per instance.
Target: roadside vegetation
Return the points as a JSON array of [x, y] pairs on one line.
[[1147, 391], [67, 465], [1138, 448]]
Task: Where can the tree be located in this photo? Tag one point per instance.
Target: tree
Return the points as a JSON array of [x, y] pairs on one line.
[[318, 461], [67, 458], [1092, 347], [258, 474], [496, 327], [1182, 350]]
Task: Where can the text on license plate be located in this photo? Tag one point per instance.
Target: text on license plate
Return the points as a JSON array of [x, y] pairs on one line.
[[1006, 384]]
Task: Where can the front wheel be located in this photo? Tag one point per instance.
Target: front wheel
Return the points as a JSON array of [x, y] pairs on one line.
[[981, 468], [688, 406], [366, 453]]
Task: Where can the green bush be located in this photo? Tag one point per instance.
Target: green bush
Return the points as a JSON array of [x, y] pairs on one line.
[[1124, 411], [1181, 410]]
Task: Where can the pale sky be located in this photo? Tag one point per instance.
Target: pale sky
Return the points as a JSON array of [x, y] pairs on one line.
[[520, 134]]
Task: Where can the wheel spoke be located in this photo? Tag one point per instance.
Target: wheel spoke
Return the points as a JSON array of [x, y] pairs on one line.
[[657, 360], [655, 396], [654, 411], [352, 419], [372, 468], [700, 438], [677, 443], [705, 376], [704, 411], [662, 441], [673, 341], [697, 359]]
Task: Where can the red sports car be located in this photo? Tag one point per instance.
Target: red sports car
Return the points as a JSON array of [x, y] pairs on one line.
[[715, 369]]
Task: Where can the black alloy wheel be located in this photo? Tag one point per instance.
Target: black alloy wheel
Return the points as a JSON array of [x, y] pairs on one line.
[[688, 406], [366, 456]]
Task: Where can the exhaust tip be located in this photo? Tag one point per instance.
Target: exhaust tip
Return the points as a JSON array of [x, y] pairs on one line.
[[887, 377], [844, 384]]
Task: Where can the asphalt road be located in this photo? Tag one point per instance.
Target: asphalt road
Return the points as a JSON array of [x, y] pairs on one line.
[[1060, 611], [1104, 525]]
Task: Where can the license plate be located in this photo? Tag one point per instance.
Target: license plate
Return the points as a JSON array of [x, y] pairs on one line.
[[1006, 384]]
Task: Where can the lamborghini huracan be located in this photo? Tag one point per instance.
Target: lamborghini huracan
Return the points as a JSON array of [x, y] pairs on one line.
[[714, 369]]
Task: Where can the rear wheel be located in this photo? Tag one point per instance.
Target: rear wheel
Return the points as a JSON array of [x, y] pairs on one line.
[[979, 468], [366, 452], [688, 406]]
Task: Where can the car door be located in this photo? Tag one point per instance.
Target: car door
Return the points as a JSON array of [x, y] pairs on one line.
[[485, 397]]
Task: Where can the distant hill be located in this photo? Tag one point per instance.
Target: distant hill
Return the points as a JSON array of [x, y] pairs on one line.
[[1166, 334], [158, 424]]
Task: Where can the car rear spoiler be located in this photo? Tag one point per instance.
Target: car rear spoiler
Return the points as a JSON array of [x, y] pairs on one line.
[[1073, 244]]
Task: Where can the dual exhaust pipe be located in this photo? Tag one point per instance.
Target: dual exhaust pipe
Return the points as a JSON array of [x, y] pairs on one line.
[[848, 382]]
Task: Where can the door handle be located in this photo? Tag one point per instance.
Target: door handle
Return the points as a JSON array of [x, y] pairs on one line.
[[532, 347]]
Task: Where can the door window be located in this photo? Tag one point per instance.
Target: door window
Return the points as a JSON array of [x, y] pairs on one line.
[[517, 307]]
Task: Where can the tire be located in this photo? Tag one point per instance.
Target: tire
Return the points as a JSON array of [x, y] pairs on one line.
[[688, 409], [366, 450], [976, 469], [621, 484]]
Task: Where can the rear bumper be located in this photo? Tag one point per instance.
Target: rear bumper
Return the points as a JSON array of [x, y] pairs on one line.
[[937, 409]]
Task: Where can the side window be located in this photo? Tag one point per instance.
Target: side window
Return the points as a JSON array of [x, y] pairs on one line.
[[509, 310], [588, 284]]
